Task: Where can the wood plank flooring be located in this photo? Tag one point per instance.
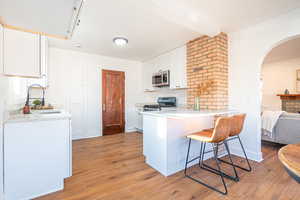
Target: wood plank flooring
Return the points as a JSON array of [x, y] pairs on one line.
[[113, 168]]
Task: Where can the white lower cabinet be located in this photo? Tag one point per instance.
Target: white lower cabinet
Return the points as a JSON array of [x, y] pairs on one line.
[[37, 158], [140, 120]]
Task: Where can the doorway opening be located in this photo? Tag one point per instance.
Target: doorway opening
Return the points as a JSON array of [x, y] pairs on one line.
[[280, 93]]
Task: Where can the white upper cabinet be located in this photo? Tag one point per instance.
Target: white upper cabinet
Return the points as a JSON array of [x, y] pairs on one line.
[[21, 54], [1, 118], [1, 48], [147, 76], [175, 61], [178, 68], [164, 62], [43, 80]]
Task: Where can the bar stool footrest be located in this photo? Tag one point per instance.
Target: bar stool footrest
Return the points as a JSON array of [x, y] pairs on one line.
[[206, 185], [228, 163], [198, 157], [215, 171]]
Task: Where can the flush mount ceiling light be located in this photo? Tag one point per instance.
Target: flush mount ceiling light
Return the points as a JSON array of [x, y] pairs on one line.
[[120, 41]]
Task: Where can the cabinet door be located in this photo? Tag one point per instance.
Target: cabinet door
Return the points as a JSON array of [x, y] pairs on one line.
[[1, 48], [2, 99], [163, 62], [147, 76], [182, 66], [178, 68], [43, 80], [174, 71], [21, 54], [140, 120]]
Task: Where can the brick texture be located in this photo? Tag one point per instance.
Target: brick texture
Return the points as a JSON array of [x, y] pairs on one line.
[[292, 106], [207, 60]]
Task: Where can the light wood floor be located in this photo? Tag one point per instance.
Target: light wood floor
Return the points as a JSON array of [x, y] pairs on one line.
[[113, 168]]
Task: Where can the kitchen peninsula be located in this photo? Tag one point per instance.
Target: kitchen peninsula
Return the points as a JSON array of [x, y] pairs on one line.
[[37, 153], [164, 142]]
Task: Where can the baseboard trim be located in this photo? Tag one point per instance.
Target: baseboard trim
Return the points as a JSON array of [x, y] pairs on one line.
[[87, 137], [250, 154], [132, 129], [59, 186]]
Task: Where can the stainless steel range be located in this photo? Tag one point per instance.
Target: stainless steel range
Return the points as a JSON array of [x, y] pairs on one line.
[[154, 107], [162, 103]]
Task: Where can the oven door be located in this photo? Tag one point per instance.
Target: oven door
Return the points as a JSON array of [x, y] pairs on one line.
[[166, 78]]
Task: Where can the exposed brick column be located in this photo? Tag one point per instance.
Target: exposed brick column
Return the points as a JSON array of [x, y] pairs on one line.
[[207, 59]]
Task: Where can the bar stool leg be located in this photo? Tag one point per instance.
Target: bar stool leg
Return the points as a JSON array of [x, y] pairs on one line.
[[187, 157], [219, 168], [201, 148], [216, 171], [202, 154], [249, 166], [229, 155], [245, 169], [201, 160]]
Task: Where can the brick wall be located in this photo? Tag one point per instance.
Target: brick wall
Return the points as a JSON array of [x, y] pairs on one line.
[[207, 59], [292, 106]]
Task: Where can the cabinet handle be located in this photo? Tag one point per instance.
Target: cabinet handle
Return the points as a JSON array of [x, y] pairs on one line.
[[104, 107]]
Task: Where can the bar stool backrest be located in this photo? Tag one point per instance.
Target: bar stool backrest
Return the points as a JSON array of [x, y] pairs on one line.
[[237, 124], [222, 129]]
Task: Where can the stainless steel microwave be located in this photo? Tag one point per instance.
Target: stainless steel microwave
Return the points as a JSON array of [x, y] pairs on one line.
[[161, 79]]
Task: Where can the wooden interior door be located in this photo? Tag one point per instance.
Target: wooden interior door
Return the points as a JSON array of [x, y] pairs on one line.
[[113, 99]]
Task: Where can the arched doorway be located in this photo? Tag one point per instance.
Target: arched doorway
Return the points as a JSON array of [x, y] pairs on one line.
[[247, 51], [279, 76]]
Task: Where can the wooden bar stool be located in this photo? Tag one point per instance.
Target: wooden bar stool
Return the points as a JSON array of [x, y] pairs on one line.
[[214, 136], [236, 129]]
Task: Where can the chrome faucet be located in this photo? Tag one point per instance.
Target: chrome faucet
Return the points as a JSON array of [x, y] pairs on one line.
[[28, 93]]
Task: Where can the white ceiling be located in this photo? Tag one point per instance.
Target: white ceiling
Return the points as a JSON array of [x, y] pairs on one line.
[[286, 51], [151, 26]]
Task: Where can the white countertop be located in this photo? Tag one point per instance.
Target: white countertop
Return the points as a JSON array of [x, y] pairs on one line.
[[37, 116], [188, 113]]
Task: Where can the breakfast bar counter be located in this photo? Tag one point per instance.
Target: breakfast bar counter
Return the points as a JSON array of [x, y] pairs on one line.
[[185, 113], [164, 142]]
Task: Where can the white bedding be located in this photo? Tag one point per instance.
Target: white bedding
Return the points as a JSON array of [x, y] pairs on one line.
[[269, 120]]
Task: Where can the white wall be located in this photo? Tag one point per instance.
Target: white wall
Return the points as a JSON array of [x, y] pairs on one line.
[[75, 83], [2, 99], [247, 50], [278, 76], [151, 97]]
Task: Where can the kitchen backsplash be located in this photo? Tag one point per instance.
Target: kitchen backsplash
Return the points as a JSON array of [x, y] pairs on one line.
[[17, 92], [166, 92]]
